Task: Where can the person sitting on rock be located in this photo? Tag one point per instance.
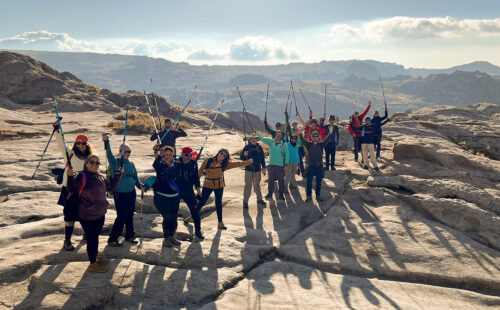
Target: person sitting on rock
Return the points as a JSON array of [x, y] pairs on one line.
[[214, 180], [314, 162], [330, 148], [292, 162], [124, 195], [356, 120], [187, 179], [252, 172], [367, 146], [80, 151], [377, 124], [90, 189], [276, 167], [171, 136]]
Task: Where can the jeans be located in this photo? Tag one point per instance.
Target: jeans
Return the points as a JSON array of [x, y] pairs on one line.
[[276, 173], [376, 143], [205, 193], [92, 229], [357, 146], [190, 199], [314, 171], [301, 157], [168, 207], [330, 156], [125, 207]]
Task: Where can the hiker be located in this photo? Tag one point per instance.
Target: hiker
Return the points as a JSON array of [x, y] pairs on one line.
[[314, 168], [166, 192], [186, 179], [124, 195], [313, 126], [292, 162], [214, 180], [367, 145], [252, 172], [276, 167], [296, 131], [268, 128], [377, 124], [90, 189], [78, 154], [171, 136], [356, 120], [333, 141]]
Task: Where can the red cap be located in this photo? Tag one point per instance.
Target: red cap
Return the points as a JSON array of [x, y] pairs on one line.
[[187, 150], [82, 138]]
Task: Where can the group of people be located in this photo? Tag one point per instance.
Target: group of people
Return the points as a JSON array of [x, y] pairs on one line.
[[292, 151]]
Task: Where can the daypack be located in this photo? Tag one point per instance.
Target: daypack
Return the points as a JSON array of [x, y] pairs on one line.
[[59, 172], [209, 166]]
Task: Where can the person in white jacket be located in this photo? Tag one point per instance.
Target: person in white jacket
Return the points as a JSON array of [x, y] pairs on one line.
[[78, 154]]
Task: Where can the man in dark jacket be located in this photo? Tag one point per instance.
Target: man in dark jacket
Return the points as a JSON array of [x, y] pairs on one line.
[[333, 141], [171, 136], [186, 178], [377, 124], [252, 172], [367, 139]]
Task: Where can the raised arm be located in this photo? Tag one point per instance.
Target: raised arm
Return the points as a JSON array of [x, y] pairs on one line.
[[180, 133], [385, 115], [264, 139], [385, 122], [307, 143], [109, 155], [301, 120], [266, 125], [362, 116]]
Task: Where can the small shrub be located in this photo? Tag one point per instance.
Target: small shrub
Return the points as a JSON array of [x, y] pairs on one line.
[[138, 123]]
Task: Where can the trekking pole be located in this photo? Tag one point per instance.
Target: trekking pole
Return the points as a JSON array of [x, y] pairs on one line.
[[178, 116], [294, 101], [267, 96], [305, 100], [43, 154], [54, 103], [142, 207], [153, 118], [324, 111], [156, 103], [244, 113], [209, 130], [124, 137], [288, 99], [383, 94]]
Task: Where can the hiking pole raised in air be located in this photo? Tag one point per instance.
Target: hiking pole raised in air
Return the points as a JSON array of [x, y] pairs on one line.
[[305, 100], [153, 118], [324, 111], [267, 96], [209, 130], [62, 133], [124, 137], [244, 113], [156, 104], [178, 116], [383, 94], [43, 154], [294, 101]]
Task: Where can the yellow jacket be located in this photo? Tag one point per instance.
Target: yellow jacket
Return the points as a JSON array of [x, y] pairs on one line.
[[215, 174]]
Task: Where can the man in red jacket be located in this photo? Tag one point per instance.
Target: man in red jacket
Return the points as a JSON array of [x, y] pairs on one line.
[[357, 121]]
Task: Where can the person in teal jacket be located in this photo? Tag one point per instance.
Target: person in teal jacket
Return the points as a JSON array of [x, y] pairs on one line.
[[292, 162], [277, 164], [124, 195]]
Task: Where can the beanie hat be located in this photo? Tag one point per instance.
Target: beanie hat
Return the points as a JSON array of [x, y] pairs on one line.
[[187, 150], [81, 138]]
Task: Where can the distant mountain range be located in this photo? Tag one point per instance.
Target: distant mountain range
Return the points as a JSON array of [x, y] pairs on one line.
[[350, 84]]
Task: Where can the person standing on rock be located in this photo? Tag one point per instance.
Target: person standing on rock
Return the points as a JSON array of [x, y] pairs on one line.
[[167, 193], [333, 141], [277, 160], [90, 189], [214, 180], [252, 172], [187, 178], [78, 154], [124, 194], [315, 168], [292, 162], [377, 124], [171, 136], [296, 131], [367, 145], [357, 121]]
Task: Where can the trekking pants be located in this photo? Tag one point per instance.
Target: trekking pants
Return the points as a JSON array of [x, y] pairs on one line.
[[301, 157], [376, 142], [357, 146], [190, 199], [205, 193], [368, 148], [252, 178], [291, 171], [276, 173], [318, 172], [168, 207], [125, 207], [92, 229], [330, 156]]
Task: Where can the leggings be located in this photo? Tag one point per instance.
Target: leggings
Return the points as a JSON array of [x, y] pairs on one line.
[[125, 207], [190, 199], [205, 193], [92, 229], [168, 207]]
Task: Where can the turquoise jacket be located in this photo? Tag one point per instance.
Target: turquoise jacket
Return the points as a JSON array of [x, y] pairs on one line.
[[277, 154], [129, 179], [293, 153]]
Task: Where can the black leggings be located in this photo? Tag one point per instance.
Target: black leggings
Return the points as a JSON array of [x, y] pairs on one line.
[[190, 199], [92, 229], [330, 156], [168, 207], [125, 207], [205, 193]]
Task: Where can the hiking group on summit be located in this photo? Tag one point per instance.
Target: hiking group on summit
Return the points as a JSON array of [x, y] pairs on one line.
[[292, 151]]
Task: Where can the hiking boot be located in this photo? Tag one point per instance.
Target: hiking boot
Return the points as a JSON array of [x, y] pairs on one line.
[[333, 169], [292, 186], [268, 196], [245, 205], [199, 235], [188, 219], [221, 226], [309, 199], [97, 267], [261, 202], [132, 240], [174, 241], [318, 198], [167, 243], [377, 169], [68, 246], [365, 167], [281, 196], [101, 260], [115, 244]]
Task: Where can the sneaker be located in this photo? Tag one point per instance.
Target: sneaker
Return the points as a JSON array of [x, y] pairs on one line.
[[245, 205], [132, 240], [333, 169], [377, 169], [101, 260], [221, 226], [261, 202], [365, 167], [309, 199], [188, 219], [97, 267], [68, 246], [167, 243], [281, 196], [318, 198], [268, 196], [174, 241], [199, 235], [115, 244]]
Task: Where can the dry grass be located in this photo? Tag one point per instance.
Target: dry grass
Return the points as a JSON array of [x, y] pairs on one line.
[[138, 123], [6, 134]]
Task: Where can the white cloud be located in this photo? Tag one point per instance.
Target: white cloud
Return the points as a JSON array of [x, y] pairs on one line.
[[46, 40], [260, 48], [204, 55]]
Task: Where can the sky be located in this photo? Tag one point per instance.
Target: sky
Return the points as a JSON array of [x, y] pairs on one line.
[[419, 33]]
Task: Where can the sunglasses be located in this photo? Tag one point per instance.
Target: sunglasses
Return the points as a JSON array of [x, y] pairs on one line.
[[128, 152], [81, 143], [94, 162], [187, 155]]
